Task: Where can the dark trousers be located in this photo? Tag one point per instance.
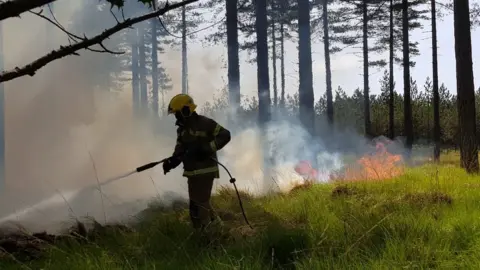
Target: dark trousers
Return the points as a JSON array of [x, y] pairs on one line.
[[199, 192]]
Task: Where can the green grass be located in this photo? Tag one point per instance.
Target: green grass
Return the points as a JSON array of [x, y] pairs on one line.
[[427, 218]]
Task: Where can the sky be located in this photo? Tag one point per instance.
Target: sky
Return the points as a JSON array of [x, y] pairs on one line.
[[346, 67], [208, 73]]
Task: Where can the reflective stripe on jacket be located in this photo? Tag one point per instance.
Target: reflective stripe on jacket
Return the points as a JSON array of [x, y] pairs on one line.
[[201, 131]]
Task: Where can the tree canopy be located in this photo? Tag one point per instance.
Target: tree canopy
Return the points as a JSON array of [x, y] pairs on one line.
[[16, 7]]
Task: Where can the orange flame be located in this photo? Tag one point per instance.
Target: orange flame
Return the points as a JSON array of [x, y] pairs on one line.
[[377, 166]]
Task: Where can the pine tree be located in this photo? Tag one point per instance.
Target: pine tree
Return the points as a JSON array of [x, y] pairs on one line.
[[161, 83], [135, 74], [281, 15], [390, 33], [91, 18], [155, 71], [436, 97], [356, 22], [407, 113], [142, 68], [183, 24], [328, 69], [465, 87], [233, 53], [261, 26], [391, 102]]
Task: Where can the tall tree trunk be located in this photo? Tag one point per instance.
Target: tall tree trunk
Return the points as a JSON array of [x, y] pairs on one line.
[[135, 75], [184, 53], [436, 96], [282, 64], [465, 87], [261, 27], [366, 90], [326, 44], [2, 117], [274, 61], [305, 91], [274, 54], [142, 70], [262, 61], [408, 121], [164, 105], [154, 67], [233, 50], [391, 101]]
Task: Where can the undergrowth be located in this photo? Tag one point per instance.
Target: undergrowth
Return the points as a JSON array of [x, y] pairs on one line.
[[427, 218]]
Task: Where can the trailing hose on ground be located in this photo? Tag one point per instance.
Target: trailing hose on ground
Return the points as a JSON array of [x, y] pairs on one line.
[[233, 180], [155, 163]]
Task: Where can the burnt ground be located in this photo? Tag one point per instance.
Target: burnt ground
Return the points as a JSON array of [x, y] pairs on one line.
[[19, 244], [23, 246]]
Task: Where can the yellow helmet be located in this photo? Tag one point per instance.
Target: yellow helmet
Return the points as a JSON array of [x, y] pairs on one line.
[[180, 103]]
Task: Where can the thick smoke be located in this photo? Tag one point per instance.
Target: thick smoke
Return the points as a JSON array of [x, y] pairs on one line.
[[264, 158], [62, 134], [63, 137]]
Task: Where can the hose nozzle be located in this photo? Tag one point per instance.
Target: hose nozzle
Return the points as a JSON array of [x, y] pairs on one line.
[[149, 165]]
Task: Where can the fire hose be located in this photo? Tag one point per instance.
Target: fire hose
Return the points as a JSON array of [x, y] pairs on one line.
[[155, 163]]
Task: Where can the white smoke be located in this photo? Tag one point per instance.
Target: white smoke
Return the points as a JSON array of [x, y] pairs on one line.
[[54, 166]]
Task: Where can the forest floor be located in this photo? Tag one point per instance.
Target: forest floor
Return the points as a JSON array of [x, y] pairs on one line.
[[427, 218]]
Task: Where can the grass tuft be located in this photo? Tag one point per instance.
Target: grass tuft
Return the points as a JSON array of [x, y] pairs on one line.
[[426, 218]]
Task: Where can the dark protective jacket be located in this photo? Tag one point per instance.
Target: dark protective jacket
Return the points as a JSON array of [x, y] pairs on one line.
[[200, 131]]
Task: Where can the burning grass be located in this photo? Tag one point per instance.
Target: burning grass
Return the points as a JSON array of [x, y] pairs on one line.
[[379, 165], [425, 218]]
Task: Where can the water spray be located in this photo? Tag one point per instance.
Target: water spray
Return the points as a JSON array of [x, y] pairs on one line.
[[137, 170], [155, 163]]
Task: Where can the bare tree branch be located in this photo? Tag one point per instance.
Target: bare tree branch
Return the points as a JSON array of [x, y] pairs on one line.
[[63, 51], [56, 24], [13, 8], [71, 36]]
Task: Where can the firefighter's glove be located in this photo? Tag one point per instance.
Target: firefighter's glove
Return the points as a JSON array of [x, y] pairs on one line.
[[169, 164]]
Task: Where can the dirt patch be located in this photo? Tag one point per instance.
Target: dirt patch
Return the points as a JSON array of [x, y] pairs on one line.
[[343, 190], [428, 198], [23, 246]]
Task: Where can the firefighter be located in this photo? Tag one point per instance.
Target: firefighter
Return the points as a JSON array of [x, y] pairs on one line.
[[198, 140]]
